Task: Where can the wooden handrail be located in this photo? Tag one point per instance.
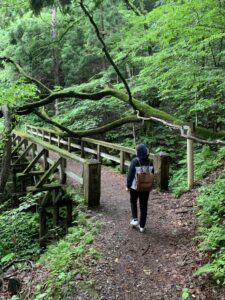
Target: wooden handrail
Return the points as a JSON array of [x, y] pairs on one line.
[[90, 140], [161, 160], [91, 169], [50, 147]]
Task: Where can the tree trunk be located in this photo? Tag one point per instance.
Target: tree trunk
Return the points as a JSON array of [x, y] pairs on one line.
[[55, 51], [6, 159], [102, 13]]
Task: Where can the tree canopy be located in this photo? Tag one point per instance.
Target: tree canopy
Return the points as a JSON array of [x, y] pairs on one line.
[[168, 55]]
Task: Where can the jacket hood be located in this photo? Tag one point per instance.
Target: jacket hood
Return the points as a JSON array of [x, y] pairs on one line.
[[142, 152]]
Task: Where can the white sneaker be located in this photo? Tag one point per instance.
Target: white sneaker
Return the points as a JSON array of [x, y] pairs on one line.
[[141, 229], [134, 222]]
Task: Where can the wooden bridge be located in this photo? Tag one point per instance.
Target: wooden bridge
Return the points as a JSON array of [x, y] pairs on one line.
[[44, 161]]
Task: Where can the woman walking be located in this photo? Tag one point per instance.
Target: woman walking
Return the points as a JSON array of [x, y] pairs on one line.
[[138, 165]]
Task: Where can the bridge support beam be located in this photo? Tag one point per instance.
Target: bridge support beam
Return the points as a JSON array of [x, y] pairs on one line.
[[92, 182]]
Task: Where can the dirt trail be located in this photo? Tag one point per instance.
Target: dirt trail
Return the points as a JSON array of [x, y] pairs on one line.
[[155, 265]]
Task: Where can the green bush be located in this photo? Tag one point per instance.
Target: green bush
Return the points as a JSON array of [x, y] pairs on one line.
[[211, 227], [65, 258], [19, 234], [205, 160]]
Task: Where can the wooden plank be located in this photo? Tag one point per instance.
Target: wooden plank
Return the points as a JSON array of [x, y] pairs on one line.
[[76, 146], [18, 146], [127, 163], [48, 173], [99, 152], [62, 171], [44, 201], [23, 155], [55, 215], [45, 187], [74, 176], [90, 150], [110, 157], [45, 160], [90, 140], [14, 139], [122, 155], [33, 162], [47, 146], [94, 141], [82, 149], [19, 165], [32, 173], [69, 144], [92, 183]]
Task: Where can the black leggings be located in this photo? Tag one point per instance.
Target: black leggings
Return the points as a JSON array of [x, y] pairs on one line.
[[143, 202]]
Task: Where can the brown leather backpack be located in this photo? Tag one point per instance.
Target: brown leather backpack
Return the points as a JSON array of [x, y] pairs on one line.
[[144, 180]]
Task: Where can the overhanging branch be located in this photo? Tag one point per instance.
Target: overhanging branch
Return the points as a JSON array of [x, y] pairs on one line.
[[21, 71], [107, 54], [49, 121], [183, 131], [62, 95], [90, 132]]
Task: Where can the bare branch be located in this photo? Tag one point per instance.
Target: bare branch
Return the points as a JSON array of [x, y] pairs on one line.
[[183, 130], [107, 54]]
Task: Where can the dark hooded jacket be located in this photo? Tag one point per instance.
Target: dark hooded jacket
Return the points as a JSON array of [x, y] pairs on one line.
[[140, 162]]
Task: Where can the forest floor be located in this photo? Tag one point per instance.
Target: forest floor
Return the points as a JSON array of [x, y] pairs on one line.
[[155, 265]]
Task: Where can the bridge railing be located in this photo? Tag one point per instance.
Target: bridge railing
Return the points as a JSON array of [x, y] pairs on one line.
[[101, 149], [86, 172]]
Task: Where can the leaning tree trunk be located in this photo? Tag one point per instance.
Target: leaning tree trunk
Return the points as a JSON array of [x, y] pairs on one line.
[[6, 159]]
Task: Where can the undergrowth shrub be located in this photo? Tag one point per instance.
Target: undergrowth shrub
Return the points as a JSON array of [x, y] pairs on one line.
[[211, 227], [205, 160], [19, 231], [66, 258]]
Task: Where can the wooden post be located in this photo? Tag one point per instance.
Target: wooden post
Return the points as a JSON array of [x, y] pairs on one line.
[[50, 137], [122, 169], [69, 144], [55, 215], [62, 171], [25, 145], [45, 161], [190, 159], [34, 149], [99, 153], [161, 168], [92, 182], [82, 149]]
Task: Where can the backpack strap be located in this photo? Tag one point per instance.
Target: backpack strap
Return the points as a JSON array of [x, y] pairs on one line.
[[142, 165]]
